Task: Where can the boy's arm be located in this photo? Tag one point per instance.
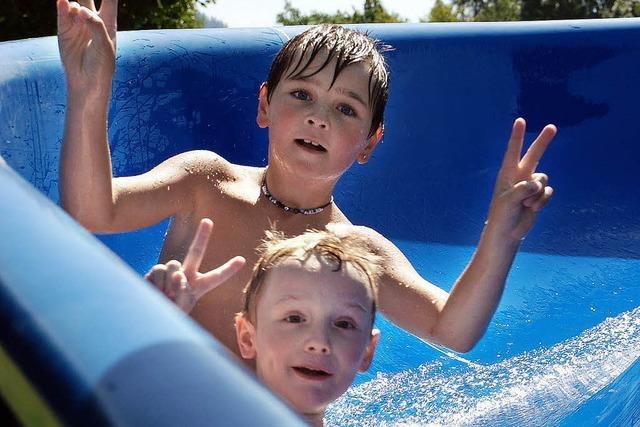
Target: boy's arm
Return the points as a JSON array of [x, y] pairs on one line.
[[459, 319], [87, 42]]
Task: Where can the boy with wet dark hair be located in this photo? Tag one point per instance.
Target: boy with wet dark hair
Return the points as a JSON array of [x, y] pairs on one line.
[[322, 115], [344, 46]]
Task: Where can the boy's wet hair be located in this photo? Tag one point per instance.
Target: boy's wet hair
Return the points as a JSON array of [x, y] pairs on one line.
[[338, 251], [347, 47]]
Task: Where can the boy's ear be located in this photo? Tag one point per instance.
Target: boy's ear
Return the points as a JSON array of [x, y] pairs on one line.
[[245, 335], [263, 115], [366, 152], [371, 349]]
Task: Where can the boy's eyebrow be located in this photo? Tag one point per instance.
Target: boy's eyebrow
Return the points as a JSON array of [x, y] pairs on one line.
[[353, 95], [286, 298], [358, 306]]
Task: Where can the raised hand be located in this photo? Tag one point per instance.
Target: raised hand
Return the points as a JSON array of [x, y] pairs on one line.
[[520, 192], [87, 42], [181, 282]]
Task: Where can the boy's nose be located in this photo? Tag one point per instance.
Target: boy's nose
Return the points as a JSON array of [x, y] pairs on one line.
[[316, 121], [318, 348], [318, 343], [318, 116]]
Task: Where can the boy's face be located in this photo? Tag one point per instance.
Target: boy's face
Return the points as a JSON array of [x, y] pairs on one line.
[[312, 332], [317, 128]]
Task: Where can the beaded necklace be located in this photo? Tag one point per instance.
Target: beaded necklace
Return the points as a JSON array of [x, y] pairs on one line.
[[287, 208]]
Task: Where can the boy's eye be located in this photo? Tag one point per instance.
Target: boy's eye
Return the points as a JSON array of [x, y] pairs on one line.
[[345, 324], [347, 110], [294, 318], [301, 95]]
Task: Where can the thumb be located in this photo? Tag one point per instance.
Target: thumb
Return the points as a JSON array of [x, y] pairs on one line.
[[214, 278], [525, 189]]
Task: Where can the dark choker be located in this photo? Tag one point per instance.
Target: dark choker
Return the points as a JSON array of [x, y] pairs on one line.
[[290, 209]]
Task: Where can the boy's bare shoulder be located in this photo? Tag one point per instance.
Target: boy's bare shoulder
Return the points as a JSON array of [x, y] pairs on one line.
[[206, 167], [208, 171], [375, 241], [198, 163]]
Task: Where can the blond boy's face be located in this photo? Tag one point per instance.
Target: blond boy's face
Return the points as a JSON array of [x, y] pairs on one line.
[[317, 128], [312, 332]]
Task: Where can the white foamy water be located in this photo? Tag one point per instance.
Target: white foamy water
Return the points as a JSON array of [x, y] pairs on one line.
[[536, 388]]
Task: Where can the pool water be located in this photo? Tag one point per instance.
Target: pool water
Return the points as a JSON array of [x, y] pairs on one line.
[[560, 336], [566, 328]]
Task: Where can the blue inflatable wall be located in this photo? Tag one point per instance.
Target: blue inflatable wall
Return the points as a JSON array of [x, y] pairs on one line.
[[94, 343]]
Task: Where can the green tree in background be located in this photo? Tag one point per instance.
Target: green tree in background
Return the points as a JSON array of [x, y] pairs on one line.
[[574, 9], [373, 12], [531, 10], [441, 12], [34, 18]]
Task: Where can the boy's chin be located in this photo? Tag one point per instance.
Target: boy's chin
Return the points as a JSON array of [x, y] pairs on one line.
[[310, 410], [309, 404]]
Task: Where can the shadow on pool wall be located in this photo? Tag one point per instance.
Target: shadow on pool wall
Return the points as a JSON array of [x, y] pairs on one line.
[[455, 91]]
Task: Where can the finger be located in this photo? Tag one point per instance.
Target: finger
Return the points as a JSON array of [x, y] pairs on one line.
[[542, 201], [88, 4], [157, 277], [531, 159], [185, 299], [94, 24], [514, 148], [214, 278], [175, 281], [525, 189], [173, 267], [197, 248], [109, 14], [62, 6], [74, 6], [73, 12], [542, 178], [65, 18]]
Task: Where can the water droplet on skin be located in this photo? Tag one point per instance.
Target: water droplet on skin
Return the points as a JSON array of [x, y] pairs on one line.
[[168, 188]]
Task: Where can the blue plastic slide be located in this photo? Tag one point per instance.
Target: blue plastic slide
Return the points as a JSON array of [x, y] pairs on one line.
[[84, 341]]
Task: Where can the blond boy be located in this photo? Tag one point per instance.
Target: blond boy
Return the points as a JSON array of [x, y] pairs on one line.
[[307, 318], [306, 325]]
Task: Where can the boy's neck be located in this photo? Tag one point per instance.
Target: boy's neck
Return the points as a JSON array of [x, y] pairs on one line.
[[298, 192]]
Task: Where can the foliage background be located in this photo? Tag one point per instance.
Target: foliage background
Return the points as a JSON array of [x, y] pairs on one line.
[[21, 19], [35, 18]]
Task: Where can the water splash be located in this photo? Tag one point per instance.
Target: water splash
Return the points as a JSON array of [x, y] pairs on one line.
[[536, 388]]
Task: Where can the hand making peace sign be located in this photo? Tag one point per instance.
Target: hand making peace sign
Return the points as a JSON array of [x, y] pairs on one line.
[[520, 192], [87, 42], [182, 283]]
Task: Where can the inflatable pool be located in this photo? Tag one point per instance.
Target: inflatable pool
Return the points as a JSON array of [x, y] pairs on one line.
[[84, 341]]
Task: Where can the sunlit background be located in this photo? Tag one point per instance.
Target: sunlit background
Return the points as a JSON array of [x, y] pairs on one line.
[[233, 13], [35, 18]]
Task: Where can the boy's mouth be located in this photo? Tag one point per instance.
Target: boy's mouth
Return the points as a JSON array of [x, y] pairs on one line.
[[312, 145], [311, 374]]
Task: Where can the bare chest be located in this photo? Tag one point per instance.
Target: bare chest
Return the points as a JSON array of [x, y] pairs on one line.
[[239, 228]]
